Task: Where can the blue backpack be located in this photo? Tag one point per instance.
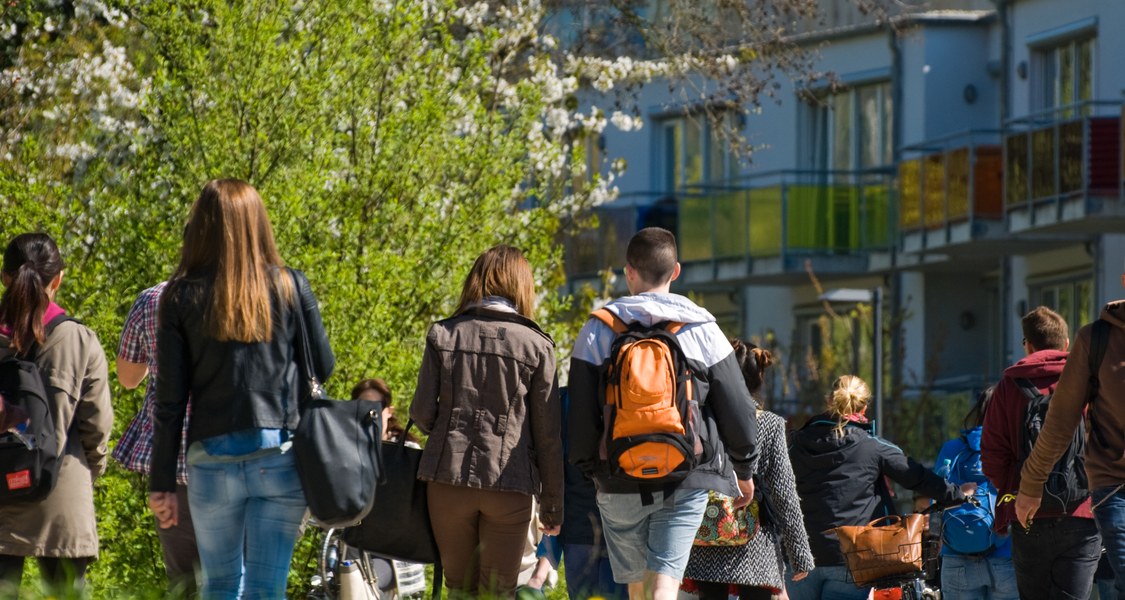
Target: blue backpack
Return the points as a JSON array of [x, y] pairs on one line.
[[967, 529]]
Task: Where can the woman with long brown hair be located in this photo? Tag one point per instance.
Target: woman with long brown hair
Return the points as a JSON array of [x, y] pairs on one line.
[[488, 398], [228, 339], [60, 530]]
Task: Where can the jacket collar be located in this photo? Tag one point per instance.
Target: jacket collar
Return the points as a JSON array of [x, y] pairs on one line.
[[485, 312]]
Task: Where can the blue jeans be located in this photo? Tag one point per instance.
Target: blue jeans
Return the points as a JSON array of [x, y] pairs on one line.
[[829, 582], [977, 578], [656, 537], [1109, 513], [588, 573], [246, 517], [1056, 558]]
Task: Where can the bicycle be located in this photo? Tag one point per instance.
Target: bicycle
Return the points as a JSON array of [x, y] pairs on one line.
[[347, 573], [865, 567], [911, 584]]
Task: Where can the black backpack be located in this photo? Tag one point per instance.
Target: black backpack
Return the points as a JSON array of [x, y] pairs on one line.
[[1066, 486], [29, 461]]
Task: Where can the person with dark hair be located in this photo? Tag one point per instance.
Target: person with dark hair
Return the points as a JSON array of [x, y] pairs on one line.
[[1092, 392], [988, 575], [227, 338], [649, 528], [136, 359], [842, 470], [756, 571], [488, 397], [377, 390], [60, 530], [1056, 558]]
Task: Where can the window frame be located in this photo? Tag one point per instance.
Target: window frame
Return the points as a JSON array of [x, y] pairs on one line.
[[821, 127]]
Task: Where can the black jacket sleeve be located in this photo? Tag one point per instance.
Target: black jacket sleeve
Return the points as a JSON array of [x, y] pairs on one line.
[[913, 476], [736, 415], [323, 360], [173, 382], [584, 416]]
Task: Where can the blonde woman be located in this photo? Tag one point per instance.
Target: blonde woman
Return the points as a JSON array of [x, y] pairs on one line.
[[227, 337], [488, 398], [841, 469]]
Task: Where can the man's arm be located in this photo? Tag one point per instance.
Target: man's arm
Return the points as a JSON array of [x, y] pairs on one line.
[[1000, 437], [133, 351], [130, 374], [736, 414]]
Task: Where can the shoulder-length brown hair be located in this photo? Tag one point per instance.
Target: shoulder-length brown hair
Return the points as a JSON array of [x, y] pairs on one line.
[[229, 242], [500, 271]]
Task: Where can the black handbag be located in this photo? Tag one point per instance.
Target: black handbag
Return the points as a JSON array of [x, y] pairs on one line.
[[398, 526], [337, 447]]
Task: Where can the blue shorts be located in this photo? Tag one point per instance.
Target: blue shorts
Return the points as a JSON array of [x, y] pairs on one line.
[[657, 537]]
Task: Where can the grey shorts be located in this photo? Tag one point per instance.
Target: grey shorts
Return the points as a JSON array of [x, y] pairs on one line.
[[655, 537]]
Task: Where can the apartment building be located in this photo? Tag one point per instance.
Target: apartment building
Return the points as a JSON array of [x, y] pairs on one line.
[[967, 163]]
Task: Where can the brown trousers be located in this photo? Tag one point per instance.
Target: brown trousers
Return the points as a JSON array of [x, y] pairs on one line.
[[481, 535]]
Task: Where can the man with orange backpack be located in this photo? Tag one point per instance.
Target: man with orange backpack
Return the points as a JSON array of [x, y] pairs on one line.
[[659, 415]]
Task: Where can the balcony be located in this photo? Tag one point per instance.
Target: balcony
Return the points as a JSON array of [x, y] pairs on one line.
[[1063, 169], [950, 193], [760, 228], [596, 249], [765, 227]]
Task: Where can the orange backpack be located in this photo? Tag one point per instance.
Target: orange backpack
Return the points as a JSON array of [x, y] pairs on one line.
[[649, 409]]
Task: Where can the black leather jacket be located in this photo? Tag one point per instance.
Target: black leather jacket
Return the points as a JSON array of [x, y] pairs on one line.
[[233, 386]]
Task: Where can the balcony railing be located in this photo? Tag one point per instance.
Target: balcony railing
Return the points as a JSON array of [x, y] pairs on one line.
[[1062, 153], [953, 179], [788, 212], [777, 214], [603, 246]]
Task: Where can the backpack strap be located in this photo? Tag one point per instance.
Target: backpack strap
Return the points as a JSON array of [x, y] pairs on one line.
[[47, 329], [672, 327], [613, 321], [1028, 388]]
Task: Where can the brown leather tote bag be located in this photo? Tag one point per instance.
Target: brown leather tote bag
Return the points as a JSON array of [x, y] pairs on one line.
[[885, 547]]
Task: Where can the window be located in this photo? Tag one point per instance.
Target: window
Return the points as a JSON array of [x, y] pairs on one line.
[[593, 149], [1066, 74], [694, 152], [1073, 299], [850, 130]]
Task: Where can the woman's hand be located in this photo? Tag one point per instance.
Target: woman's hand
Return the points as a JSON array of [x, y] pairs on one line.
[[166, 507], [551, 530]]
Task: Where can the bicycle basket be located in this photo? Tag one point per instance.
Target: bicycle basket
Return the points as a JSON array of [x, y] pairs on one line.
[[886, 547]]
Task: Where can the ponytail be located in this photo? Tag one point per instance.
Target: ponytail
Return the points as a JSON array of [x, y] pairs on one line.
[[849, 396], [31, 262], [752, 361]]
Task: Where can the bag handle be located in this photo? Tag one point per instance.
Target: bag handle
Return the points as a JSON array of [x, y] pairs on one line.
[[316, 391], [401, 443], [890, 520]]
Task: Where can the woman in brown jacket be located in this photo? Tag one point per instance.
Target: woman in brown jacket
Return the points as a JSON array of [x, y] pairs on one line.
[[60, 530], [488, 398]]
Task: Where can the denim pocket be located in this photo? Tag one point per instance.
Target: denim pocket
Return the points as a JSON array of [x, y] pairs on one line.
[[209, 482]]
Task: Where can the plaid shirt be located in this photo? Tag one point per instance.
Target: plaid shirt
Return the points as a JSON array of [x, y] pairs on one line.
[[138, 345]]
